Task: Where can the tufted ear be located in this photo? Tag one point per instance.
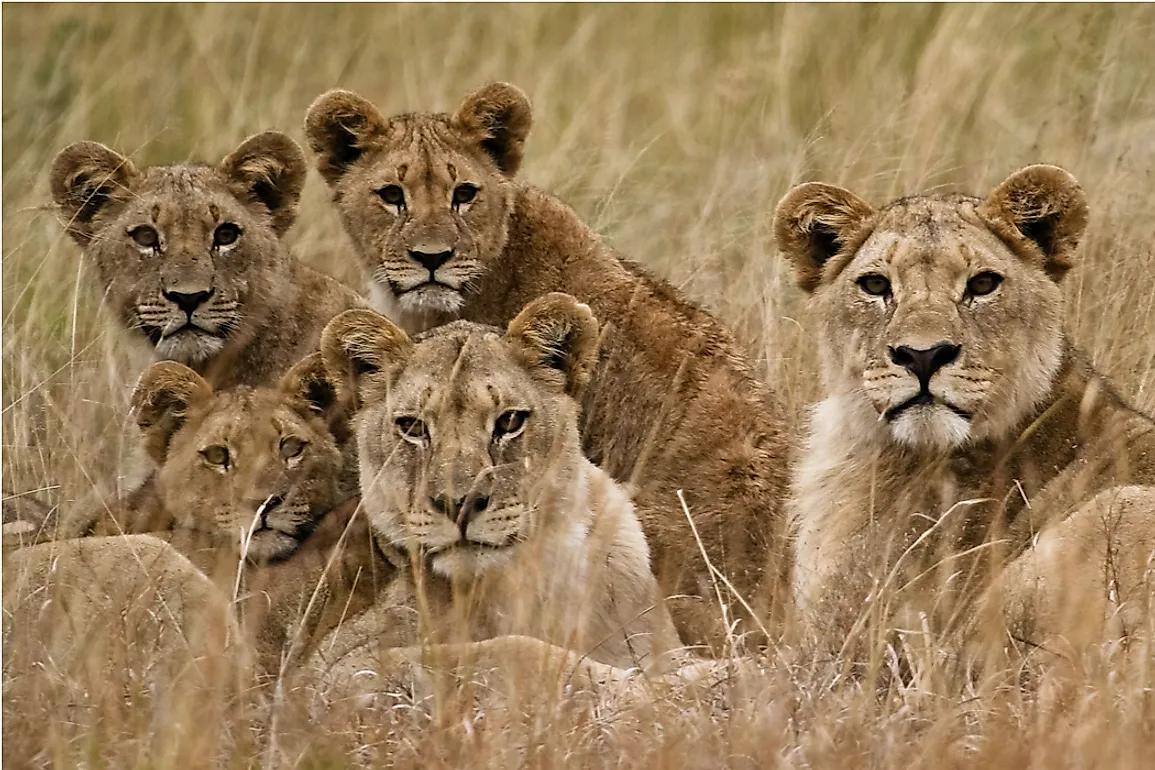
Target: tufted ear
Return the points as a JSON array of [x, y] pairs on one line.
[[498, 117], [163, 397], [268, 169], [340, 125], [359, 345], [558, 338], [812, 223], [88, 178], [1043, 209]]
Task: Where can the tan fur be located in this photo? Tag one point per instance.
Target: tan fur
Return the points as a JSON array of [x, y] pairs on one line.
[[265, 309], [105, 622], [672, 403], [277, 515], [902, 508], [471, 470]]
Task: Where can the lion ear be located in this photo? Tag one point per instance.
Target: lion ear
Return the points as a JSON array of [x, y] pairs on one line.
[[360, 347], [87, 179], [812, 223], [308, 382], [340, 126], [163, 397], [498, 117], [1043, 210], [557, 337], [268, 169]]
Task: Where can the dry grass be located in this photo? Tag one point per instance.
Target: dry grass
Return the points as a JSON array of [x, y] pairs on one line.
[[673, 131]]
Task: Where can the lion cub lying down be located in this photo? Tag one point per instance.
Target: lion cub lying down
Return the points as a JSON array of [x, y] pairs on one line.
[[472, 474], [250, 489], [961, 428]]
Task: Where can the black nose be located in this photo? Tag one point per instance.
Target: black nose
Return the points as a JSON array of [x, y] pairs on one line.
[[463, 510], [187, 302], [431, 261], [924, 363]]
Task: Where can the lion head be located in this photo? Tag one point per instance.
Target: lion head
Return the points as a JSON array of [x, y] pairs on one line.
[[941, 317], [426, 197], [188, 254], [257, 467], [467, 436]]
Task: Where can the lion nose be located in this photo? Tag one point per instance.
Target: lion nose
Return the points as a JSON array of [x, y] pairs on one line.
[[431, 260], [923, 363], [463, 510], [187, 302]]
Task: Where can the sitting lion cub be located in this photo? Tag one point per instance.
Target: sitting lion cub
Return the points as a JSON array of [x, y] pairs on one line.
[[251, 489], [445, 230], [471, 469], [961, 428]]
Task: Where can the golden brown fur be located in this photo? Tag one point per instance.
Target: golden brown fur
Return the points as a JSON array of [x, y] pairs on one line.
[[190, 258], [251, 486], [959, 422], [672, 404], [472, 474]]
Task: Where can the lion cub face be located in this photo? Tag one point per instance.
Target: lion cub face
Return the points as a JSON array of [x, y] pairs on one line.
[[467, 437], [186, 251], [255, 467], [942, 314], [426, 197]]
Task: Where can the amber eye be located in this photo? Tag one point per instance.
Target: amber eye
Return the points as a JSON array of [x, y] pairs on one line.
[[983, 284], [509, 423], [216, 455], [412, 428], [291, 447], [464, 193], [874, 284], [145, 237], [226, 234], [392, 195]]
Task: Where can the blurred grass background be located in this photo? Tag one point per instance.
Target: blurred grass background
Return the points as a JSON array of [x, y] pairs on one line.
[[673, 130]]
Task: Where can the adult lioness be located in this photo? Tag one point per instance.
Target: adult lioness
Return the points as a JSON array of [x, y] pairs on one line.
[[471, 469], [251, 488], [959, 420], [190, 257], [444, 231]]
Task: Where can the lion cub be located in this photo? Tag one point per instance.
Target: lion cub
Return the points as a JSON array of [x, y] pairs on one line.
[[251, 488], [444, 230], [190, 257], [472, 472], [961, 428]]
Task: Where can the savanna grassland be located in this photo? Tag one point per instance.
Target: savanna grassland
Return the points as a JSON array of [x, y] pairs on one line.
[[673, 130]]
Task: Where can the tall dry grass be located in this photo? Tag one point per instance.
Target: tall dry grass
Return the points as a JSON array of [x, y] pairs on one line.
[[673, 131]]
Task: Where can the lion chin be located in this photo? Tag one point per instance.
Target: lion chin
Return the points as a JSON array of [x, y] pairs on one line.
[[190, 346], [932, 427], [470, 563]]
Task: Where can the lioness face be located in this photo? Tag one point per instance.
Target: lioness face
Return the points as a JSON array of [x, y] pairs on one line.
[[254, 468], [467, 438], [426, 197], [942, 315], [186, 253]]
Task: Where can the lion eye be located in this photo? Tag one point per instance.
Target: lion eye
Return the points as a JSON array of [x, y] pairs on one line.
[[216, 455], [226, 234], [983, 284], [412, 429], [509, 423], [392, 195], [464, 193], [874, 284], [146, 237], [291, 447]]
